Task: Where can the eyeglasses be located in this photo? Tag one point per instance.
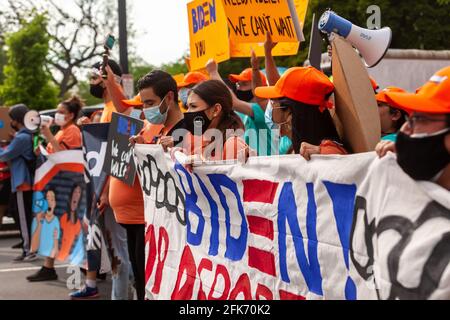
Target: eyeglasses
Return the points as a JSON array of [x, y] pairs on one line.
[[420, 119]]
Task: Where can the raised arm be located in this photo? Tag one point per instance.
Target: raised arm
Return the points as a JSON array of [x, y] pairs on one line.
[[238, 105]]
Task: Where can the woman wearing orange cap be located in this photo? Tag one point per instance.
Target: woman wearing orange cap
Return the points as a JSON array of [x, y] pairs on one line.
[[189, 81], [423, 144], [391, 118], [300, 102]]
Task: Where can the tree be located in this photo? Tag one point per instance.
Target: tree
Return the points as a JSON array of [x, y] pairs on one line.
[[26, 79], [76, 34]]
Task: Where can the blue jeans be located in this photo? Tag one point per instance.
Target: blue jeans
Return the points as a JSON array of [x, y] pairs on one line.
[[122, 273]]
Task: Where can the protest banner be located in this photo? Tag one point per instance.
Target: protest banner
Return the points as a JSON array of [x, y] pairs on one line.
[[242, 50], [5, 124], [356, 106], [208, 33], [95, 142], [290, 229], [59, 204], [119, 160], [249, 21]]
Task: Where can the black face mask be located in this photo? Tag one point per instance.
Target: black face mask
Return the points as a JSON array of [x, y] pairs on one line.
[[422, 158], [196, 122], [246, 96], [97, 90]]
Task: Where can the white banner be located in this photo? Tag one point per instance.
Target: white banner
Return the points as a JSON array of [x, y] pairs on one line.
[[284, 228]]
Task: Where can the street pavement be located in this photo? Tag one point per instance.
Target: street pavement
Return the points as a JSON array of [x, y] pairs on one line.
[[13, 283]]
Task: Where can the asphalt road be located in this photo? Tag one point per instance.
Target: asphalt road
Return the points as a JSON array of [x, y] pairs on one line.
[[13, 283]]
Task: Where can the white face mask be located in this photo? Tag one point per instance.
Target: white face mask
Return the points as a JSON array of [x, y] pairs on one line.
[[60, 120]]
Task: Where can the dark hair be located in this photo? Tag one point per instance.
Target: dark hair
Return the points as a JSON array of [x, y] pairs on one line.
[[115, 67], [69, 206], [74, 106], [401, 121], [216, 92], [18, 112], [161, 82], [309, 124]]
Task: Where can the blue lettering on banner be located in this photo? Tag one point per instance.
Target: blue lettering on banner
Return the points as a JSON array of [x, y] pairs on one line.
[[343, 198], [235, 246], [214, 239], [190, 206], [287, 210]]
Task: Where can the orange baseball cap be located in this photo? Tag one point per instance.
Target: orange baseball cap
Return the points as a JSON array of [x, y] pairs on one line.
[[135, 102], [433, 97], [381, 96], [246, 75], [192, 78], [375, 85], [307, 85]]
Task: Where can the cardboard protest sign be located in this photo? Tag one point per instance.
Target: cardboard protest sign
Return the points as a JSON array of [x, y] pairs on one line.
[[284, 228], [242, 50], [356, 105], [119, 155], [59, 205], [5, 124], [208, 33]]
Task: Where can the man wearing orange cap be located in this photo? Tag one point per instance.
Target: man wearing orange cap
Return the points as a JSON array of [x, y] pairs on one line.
[[189, 81], [391, 118], [300, 103], [423, 144]]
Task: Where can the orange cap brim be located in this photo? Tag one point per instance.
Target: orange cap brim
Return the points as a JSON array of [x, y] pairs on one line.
[[132, 103], [183, 84], [268, 93], [236, 78], [411, 102]]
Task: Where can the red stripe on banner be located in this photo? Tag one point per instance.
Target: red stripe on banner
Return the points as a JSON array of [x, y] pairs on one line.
[[71, 167], [259, 191], [260, 226], [262, 260], [284, 295]]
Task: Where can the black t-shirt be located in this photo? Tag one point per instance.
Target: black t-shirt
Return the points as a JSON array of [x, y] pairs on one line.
[[179, 139]]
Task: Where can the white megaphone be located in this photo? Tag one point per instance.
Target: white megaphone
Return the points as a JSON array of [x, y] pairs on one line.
[[33, 120], [371, 44]]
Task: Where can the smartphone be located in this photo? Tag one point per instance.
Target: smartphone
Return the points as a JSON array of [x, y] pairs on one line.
[[109, 42]]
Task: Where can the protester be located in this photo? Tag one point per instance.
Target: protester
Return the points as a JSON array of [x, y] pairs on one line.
[[111, 92], [67, 138], [300, 103], [159, 96], [251, 110], [188, 82], [20, 157], [391, 119], [210, 107], [423, 144]]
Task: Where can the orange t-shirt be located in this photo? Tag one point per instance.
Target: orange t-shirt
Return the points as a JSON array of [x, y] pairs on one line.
[[107, 112], [232, 147], [68, 139], [127, 202], [70, 232]]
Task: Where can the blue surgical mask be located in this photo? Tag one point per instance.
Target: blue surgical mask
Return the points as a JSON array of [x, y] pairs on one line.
[[184, 93], [268, 117], [136, 114], [154, 115]]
